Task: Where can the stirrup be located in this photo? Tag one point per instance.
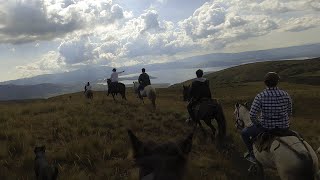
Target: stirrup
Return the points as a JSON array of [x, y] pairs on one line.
[[250, 158]]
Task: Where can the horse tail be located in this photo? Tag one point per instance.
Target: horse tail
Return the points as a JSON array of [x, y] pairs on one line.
[[317, 176], [221, 120], [153, 97], [307, 169], [55, 172], [124, 92]]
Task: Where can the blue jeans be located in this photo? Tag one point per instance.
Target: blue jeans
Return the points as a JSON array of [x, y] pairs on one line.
[[249, 133]]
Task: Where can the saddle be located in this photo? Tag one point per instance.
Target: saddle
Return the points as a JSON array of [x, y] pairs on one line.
[[114, 87], [264, 140], [205, 103]]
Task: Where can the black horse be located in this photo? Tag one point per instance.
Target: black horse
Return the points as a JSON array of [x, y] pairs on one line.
[[165, 161], [114, 89], [206, 110]]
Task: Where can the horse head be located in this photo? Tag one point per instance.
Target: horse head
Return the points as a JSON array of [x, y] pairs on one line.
[[242, 116], [185, 92], [161, 161]]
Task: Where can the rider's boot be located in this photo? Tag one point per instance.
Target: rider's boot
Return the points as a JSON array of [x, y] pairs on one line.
[[250, 157]]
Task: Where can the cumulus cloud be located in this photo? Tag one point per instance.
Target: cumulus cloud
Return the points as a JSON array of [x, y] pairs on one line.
[[26, 21], [146, 37], [301, 23], [48, 63]]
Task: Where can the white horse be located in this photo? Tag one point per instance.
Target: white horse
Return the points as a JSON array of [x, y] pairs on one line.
[[148, 91], [293, 158]]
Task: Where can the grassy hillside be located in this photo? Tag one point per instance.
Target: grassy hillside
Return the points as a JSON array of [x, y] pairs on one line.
[[295, 71], [89, 139]]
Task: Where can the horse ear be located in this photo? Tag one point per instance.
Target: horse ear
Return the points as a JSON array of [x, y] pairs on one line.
[[137, 145], [186, 144], [246, 104]]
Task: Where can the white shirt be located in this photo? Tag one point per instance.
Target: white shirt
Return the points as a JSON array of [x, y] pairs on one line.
[[114, 76], [88, 87]]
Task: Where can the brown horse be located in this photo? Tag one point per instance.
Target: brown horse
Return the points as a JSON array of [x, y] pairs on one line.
[[161, 161], [114, 89], [207, 110]]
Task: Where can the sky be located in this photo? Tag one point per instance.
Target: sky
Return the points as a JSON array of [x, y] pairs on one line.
[[52, 36]]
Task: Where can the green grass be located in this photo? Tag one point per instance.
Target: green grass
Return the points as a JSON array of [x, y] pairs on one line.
[[89, 139]]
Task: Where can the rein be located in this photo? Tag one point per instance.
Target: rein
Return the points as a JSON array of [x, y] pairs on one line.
[[239, 121]]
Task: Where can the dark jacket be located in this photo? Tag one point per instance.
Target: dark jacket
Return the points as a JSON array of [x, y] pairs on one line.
[[200, 89], [144, 79]]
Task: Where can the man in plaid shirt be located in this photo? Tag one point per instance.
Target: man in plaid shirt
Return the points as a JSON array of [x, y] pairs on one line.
[[275, 106]]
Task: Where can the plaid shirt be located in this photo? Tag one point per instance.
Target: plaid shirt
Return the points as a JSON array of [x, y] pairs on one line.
[[275, 106]]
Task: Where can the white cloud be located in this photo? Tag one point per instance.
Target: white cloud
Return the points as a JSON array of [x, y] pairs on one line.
[[102, 32], [26, 21], [48, 63], [301, 23]]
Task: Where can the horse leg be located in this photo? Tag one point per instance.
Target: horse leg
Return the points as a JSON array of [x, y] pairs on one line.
[[113, 96], [202, 129], [153, 103], [208, 122], [124, 96]]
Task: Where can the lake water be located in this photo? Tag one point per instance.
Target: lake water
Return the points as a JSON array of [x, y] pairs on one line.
[[172, 76]]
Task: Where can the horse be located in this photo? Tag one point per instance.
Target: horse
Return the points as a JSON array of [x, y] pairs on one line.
[[291, 156], [206, 111], [165, 161], [120, 88], [148, 91], [88, 94]]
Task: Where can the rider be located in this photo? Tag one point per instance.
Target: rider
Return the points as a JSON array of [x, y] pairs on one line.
[[114, 77], [275, 107], [144, 80], [199, 89], [87, 87]]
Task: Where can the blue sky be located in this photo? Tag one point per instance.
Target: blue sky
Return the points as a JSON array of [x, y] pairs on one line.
[[51, 36]]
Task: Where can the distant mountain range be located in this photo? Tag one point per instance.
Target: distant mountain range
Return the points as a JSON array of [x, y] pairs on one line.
[[48, 85], [98, 73]]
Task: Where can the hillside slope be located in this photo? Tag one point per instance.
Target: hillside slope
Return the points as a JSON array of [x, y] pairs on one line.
[[295, 71], [88, 139]]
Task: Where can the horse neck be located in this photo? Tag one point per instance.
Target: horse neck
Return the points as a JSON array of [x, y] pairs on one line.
[[245, 116]]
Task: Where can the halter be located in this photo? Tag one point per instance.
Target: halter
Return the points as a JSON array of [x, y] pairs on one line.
[[239, 122]]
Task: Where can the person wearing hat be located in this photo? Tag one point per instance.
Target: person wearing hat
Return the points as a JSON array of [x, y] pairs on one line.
[[275, 106], [114, 78], [115, 75], [144, 80]]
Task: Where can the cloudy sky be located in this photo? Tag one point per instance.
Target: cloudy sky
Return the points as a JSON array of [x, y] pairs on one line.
[[51, 36]]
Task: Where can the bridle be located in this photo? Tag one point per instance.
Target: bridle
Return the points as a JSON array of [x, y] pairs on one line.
[[239, 122]]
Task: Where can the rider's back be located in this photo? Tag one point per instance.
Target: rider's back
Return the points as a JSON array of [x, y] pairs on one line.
[[276, 107], [200, 89], [144, 79]]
